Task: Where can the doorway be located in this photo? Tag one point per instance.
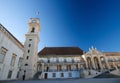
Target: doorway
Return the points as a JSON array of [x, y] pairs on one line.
[[45, 76]]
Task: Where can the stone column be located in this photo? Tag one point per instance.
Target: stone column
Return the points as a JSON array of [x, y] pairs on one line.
[[86, 62], [62, 67], [38, 67], [106, 61], [78, 66], [58, 67], [54, 67], [42, 67], [42, 71], [93, 63], [115, 66], [73, 66]]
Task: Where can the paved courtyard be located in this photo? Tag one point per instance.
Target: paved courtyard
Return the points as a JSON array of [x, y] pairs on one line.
[[101, 80]]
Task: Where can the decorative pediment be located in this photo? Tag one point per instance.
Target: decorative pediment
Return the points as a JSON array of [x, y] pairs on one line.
[[93, 51]]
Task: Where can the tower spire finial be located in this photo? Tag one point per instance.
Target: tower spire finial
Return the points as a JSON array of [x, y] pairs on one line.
[[37, 14]]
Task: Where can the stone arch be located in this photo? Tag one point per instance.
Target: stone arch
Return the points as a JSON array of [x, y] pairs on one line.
[[68, 67], [59, 67], [33, 29], [48, 60], [96, 62], [76, 65], [89, 62], [47, 68], [39, 67]]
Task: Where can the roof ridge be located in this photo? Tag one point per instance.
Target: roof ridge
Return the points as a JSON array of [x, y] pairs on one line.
[[63, 47], [61, 51]]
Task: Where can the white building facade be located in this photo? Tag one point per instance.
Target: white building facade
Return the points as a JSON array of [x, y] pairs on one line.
[[24, 62], [11, 53], [60, 62]]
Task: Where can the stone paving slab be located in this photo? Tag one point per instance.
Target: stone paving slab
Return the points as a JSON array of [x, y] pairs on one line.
[[102, 80]]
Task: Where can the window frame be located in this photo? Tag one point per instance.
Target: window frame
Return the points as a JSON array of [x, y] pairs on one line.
[[20, 61], [62, 74], [54, 75], [13, 58], [3, 52], [9, 74], [70, 74]]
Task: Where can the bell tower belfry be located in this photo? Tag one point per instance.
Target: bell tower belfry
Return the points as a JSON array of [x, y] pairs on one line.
[[31, 49]]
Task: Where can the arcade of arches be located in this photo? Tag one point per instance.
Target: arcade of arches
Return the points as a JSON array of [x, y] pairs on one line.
[[96, 63], [100, 61]]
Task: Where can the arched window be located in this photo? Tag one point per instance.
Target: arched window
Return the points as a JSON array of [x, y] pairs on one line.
[[48, 61], [33, 29], [27, 57], [29, 45], [26, 64]]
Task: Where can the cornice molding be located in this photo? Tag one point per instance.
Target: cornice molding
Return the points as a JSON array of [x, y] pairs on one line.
[[11, 37]]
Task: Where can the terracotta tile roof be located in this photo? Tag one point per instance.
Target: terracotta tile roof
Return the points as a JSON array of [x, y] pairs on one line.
[[60, 51], [112, 53]]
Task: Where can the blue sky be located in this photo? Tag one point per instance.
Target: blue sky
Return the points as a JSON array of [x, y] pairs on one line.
[[82, 23]]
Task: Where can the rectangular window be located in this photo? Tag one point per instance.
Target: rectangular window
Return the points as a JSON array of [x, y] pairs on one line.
[[62, 74], [27, 57], [13, 59], [20, 61], [3, 52], [28, 51], [9, 74], [70, 74], [17, 75], [54, 74]]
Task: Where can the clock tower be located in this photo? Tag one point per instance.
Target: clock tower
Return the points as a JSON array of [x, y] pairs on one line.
[[29, 65]]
